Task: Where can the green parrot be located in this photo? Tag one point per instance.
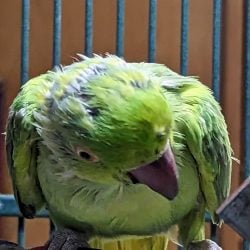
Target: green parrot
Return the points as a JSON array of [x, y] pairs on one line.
[[126, 154]]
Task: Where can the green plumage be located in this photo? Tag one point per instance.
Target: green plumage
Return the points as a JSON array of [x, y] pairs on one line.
[[73, 135]]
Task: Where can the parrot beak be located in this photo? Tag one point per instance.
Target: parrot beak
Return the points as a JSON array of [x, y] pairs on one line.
[[160, 175]]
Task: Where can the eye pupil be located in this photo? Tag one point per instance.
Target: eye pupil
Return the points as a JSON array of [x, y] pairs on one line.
[[85, 155]]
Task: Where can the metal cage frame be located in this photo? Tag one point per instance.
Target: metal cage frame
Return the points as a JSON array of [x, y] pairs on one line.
[[8, 206]]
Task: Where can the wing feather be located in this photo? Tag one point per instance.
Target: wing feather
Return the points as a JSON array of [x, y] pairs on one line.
[[21, 147], [200, 120]]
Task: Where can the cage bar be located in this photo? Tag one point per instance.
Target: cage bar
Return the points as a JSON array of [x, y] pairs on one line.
[[51, 227], [247, 93], [152, 30], [25, 30], [88, 28], [213, 232], [184, 37], [20, 232], [57, 32], [216, 67], [246, 243], [9, 208], [120, 28], [216, 57]]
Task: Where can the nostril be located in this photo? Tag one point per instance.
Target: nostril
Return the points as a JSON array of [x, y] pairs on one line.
[[160, 135]]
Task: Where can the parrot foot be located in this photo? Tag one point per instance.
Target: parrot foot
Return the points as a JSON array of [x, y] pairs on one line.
[[4, 245], [203, 245], [66, 239]]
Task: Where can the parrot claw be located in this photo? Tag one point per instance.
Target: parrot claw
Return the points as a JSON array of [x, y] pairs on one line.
[[66, 239], [5, 245], [203, 245]]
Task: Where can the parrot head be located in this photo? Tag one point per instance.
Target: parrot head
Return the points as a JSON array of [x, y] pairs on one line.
[[110, 123]]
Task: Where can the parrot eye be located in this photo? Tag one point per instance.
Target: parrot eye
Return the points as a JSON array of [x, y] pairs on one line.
[[86, 154]]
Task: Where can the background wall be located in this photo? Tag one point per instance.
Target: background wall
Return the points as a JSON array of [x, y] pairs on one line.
[[168, 52]]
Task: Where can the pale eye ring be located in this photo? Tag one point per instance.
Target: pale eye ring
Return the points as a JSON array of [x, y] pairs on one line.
[[86, 154]]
